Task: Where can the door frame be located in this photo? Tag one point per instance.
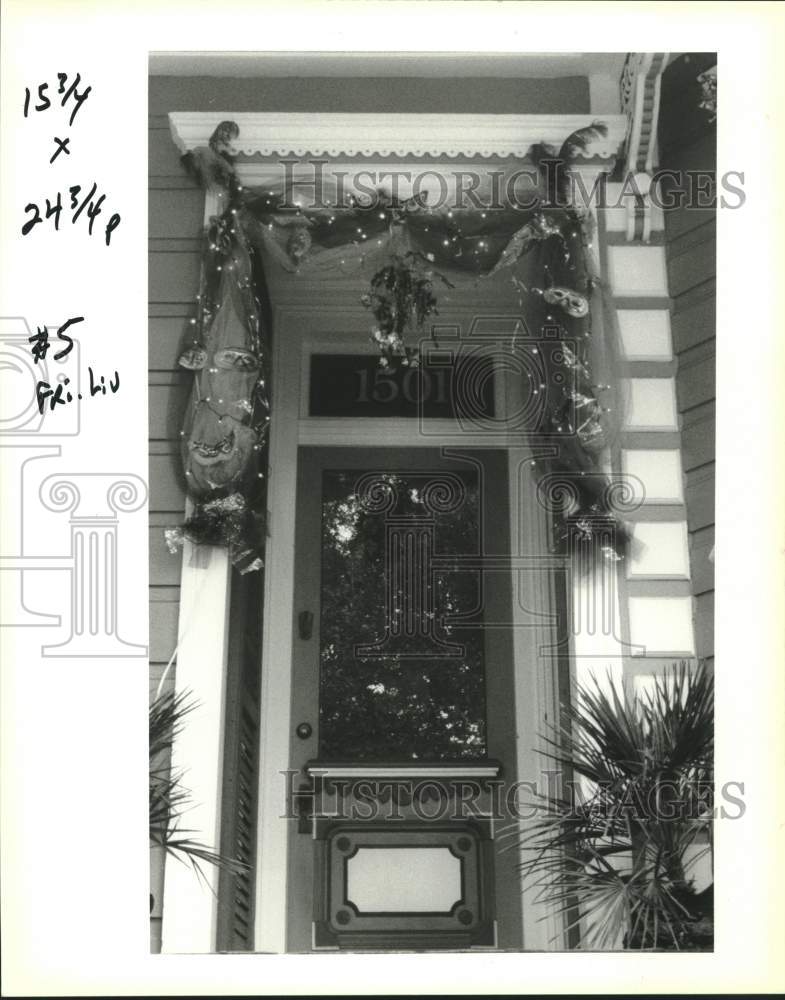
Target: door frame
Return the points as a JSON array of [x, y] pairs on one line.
[[298, 328]]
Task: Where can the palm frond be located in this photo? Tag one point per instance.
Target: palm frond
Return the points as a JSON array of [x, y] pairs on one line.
[[169, 799], [614, 852]]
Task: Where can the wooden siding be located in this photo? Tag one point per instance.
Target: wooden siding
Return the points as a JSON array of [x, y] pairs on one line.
[[174, 229], [688, 143]]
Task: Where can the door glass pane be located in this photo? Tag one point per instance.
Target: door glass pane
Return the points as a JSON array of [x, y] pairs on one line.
[[401, 673]]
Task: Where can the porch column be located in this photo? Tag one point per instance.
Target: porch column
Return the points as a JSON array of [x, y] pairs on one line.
[[190, 903]]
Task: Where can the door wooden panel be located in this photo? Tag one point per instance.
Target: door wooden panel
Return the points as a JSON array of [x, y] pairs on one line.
[[403, 680]]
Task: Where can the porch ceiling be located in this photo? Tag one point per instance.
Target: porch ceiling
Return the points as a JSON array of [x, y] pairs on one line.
[[536, 65]]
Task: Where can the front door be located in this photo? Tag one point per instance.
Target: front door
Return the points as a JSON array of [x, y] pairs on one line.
[[403, 721]]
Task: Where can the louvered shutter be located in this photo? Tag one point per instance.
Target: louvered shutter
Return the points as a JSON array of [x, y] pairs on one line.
[[236, 892]]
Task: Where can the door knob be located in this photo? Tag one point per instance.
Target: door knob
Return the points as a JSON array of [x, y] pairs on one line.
[[304, 730]]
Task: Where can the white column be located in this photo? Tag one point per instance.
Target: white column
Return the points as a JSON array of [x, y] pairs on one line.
[[190, 903]]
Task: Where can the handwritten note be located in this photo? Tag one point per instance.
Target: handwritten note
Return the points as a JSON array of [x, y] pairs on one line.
[[66, 96], [60, 394]]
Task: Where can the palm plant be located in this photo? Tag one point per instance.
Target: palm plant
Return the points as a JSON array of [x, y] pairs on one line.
[[615, 852], [169, 799]]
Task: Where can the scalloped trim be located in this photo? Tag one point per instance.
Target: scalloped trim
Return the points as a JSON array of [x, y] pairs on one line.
[[335, 135]]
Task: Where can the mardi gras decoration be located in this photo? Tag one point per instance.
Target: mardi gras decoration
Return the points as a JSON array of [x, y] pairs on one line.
[[401, 298], [544, 250], [572, 302], [212, 164], [299, 244], [555, 167], [227, 521], [226, 421], [541, 227], [708, 85]]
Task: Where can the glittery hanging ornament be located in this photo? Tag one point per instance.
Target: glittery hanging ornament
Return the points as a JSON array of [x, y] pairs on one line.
[[572, 302], [541, 227], [298, 245], [401, 299]]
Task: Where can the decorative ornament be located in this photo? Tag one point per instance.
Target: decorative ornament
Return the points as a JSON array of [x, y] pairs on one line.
[[583, 527], [572, 302], [175, 538], [541, 227], [708, 84], [590, 523], [193, 359], [299, 244], [236, 359], [228, 415], [555, 167], [571, 360], [401, 298], [581, 141], [222, 139], [589, 426], [212, 164], [226, 521]]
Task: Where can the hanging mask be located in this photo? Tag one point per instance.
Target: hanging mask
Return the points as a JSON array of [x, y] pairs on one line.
[[237, 358], [216, 453], [193, 359], [572, 302], [218, 439], [299, 244]]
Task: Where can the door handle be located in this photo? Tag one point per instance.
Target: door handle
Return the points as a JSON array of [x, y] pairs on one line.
[[304, 730]]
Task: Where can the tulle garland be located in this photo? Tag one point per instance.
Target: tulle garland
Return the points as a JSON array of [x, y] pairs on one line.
[[230, 511], [545, 251]]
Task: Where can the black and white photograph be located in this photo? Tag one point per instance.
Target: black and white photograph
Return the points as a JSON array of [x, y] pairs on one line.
[[385, 385], [432, 375]]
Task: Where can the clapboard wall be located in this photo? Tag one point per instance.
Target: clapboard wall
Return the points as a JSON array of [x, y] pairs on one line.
[[687, 139]]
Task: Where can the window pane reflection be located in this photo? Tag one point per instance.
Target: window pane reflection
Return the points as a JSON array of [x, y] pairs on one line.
[[399, 678]]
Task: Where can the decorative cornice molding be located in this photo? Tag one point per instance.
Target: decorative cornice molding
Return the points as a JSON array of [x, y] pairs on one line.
[[640, 101], [282, 134]]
